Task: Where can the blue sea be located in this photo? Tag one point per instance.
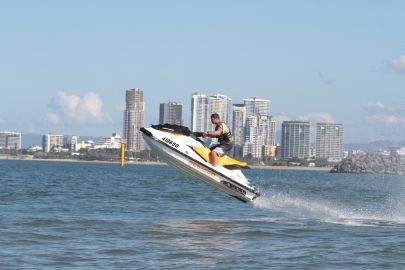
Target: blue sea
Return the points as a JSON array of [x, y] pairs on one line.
[[56, 215]]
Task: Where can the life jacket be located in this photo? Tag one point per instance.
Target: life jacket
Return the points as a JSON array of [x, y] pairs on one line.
[[226, 137]]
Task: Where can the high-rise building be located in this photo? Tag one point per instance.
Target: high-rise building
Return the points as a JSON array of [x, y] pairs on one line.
[[253, 143], [295, 139], [238, 127], [10, 140], [171, 113], [257, 106], [134, 119], [51, 142], [221, 105], [260, 133], [73, 142], [199, 113], [267, 129], [329, 141], [238, 123]]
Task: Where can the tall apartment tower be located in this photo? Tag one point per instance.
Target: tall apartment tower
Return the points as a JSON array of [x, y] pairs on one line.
[[260, 133], [171, 113], [329, 141], [52, 141], [295, 139], [252, 140], [257, 106], [73, 142], [221, 105], [134, 119], [267, 129], [238, 127], [199, 113]]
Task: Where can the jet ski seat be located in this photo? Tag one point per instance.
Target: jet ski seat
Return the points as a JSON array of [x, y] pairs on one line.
[[225, 161]]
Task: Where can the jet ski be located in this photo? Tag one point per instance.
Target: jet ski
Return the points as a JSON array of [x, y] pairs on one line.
[[179, 147]]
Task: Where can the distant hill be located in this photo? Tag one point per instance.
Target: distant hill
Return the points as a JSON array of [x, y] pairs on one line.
[[28, 140]]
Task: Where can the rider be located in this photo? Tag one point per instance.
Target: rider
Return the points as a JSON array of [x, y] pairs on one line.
[[224, 136]]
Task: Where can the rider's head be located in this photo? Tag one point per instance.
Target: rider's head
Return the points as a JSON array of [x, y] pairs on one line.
[[215, 119]]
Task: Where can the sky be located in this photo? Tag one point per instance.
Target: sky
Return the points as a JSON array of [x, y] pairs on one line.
[[65, 65]]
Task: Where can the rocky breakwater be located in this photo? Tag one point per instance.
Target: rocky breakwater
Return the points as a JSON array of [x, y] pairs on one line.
[[372, 163]]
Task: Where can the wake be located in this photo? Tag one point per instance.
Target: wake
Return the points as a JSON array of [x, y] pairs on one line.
[[296, 206]]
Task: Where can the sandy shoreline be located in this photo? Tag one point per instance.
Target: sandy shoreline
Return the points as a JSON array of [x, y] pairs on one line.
[[83, 161], [262, 167]]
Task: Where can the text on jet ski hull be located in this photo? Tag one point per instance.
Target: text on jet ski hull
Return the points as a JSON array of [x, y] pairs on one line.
[[232, 186], [168, 141]]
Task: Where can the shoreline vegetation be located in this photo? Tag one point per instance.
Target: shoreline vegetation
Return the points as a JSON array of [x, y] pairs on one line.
[[25, 158]]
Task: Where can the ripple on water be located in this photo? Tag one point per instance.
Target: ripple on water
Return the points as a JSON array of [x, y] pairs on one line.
[[42, 222]]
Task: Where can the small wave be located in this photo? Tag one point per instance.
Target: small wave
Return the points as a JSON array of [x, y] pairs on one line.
[[42, 222], [327, 211], [119, 252]]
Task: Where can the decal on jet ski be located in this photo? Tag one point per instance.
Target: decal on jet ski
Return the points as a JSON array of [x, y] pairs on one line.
[[195, 165], [168, 141], [232, 186]]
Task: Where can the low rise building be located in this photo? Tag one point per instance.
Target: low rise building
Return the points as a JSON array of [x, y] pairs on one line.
[[397, 151], [269, 151], [35, 148], [10, 140], [83, 145], [113, 142], [52, 142]]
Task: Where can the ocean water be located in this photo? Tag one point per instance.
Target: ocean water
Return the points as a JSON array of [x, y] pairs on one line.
[[98, 216]]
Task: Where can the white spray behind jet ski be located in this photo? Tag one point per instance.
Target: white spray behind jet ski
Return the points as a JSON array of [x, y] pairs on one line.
[[182, 149]]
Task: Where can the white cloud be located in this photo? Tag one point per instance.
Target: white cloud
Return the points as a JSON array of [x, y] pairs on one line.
[[52, 118], [377, 106], [397, 64], [302, 118], [120, 108], [387, 119], [384, 121], [316, 117], [281, 118], [76, 110], [321, 117]]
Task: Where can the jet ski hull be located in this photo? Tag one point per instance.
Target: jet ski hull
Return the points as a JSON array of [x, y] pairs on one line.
[[197, 168]]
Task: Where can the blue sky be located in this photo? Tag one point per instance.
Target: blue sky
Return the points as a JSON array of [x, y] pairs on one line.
[[65, 65]]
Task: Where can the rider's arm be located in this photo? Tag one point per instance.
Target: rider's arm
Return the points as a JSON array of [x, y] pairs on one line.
[[213, 134]]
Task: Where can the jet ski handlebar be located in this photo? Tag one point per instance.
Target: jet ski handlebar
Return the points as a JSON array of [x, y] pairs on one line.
[[198, 134]]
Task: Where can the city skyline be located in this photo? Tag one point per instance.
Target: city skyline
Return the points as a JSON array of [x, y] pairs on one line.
[[210, 109], [66, 76]]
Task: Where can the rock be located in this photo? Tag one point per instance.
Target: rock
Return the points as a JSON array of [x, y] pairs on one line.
[[371, 163]]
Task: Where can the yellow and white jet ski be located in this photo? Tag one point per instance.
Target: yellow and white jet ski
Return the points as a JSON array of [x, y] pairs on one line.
[[182, 149]]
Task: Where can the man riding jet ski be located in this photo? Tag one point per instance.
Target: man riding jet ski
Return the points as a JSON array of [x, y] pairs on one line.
[[224, 136], [184, 150]]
